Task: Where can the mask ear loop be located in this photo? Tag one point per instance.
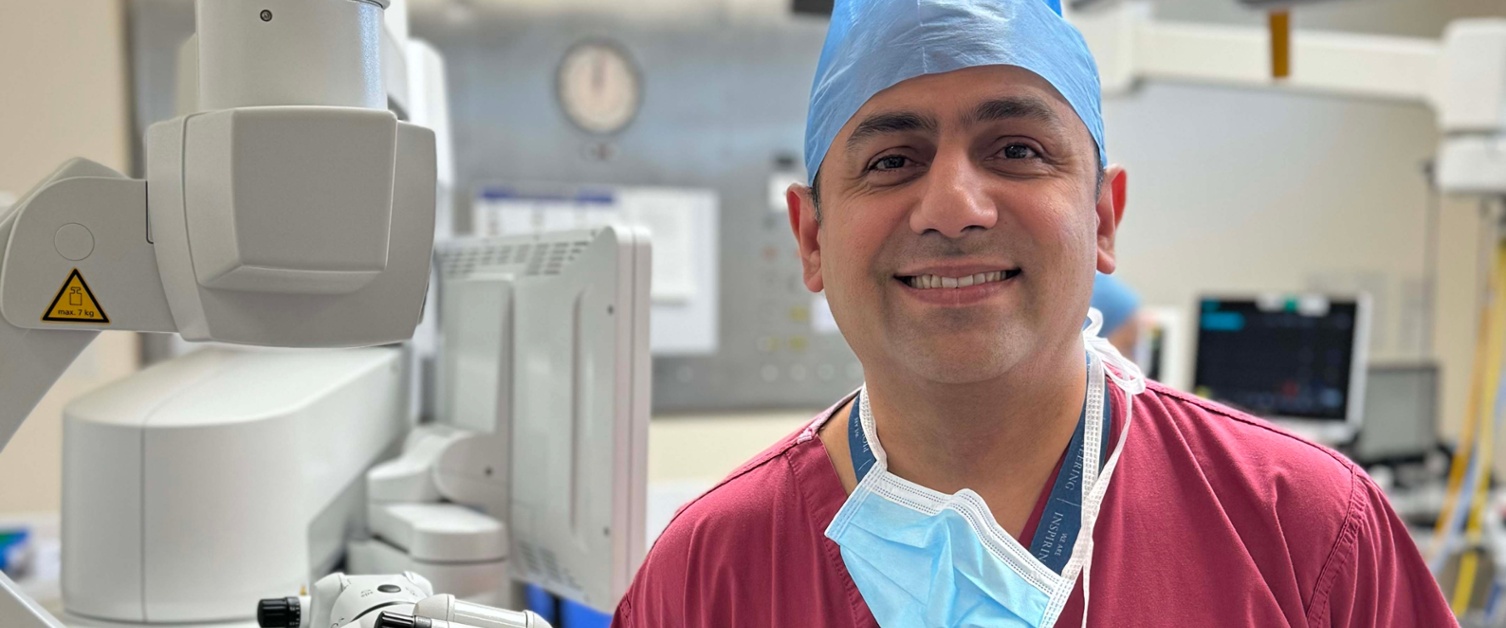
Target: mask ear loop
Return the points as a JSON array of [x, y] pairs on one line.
[[1128, 376], [1125, 372], [1091, 516], [1087, 580], [1092, 484], [870, 429]]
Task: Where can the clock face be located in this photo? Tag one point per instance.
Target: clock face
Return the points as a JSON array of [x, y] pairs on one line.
[[599, 88]]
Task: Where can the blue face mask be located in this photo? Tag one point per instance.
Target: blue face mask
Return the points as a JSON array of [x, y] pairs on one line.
[[924, 558]]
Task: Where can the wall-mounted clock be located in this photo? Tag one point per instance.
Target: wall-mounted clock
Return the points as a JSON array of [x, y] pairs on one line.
[[599, 87]]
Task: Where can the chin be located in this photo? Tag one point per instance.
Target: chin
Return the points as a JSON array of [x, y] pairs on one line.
[[969, 363]]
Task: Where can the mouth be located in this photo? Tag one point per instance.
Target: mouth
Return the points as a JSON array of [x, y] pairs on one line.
[[952, 281]]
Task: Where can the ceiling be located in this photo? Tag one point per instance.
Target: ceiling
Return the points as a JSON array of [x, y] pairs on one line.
[[1417, 18], [636, 10]]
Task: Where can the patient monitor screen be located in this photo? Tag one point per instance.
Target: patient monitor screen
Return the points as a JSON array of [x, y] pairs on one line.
[[1289, 358]]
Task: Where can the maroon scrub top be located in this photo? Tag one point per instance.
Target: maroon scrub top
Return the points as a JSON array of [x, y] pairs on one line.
[[1213, 518]]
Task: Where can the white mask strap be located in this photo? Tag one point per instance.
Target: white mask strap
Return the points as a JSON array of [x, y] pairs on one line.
[[1125, 372]]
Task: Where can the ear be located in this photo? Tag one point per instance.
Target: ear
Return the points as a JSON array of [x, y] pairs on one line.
[[1111, 200], [803, 223]]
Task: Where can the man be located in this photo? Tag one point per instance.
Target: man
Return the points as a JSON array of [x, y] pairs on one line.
[[986, 474]]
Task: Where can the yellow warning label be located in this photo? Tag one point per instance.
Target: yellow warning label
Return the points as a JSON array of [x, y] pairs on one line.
[[75, 303]]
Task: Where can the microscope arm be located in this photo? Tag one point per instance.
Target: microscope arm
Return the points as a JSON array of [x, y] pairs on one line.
[[30, 360], [85, 218], [84, 211]]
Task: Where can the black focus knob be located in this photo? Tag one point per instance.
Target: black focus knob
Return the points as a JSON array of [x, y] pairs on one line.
[[389, 619], [282, 612]]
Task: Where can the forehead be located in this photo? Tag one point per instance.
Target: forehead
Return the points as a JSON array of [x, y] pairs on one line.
[[953, 96]]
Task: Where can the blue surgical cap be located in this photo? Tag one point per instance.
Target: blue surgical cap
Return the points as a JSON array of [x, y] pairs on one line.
[[873, 45], [1115, 300]]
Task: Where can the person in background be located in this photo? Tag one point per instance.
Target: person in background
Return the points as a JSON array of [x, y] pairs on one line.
[[1002, 465], [1120, 307]]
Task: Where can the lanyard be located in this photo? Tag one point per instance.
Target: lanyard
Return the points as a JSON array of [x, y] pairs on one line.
[[1061, 520]]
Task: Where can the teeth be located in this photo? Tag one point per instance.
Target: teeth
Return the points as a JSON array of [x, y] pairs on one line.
[[929, 282]]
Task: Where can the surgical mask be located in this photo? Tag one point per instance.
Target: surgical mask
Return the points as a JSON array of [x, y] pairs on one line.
[[924, 558]]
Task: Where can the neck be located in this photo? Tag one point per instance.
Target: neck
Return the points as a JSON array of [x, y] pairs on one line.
[[1001, 437]]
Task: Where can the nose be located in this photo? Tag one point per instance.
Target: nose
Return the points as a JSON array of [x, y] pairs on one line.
[[954, 200]]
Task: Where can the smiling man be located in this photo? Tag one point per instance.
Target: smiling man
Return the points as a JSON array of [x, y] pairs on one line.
[[1002, 465]]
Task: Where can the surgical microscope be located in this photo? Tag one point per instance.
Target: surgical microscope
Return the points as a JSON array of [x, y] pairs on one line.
[[292, 204]]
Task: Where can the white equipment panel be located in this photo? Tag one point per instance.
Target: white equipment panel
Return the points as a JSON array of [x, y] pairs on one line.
[[682, 223], [568, 315], [200, 485]]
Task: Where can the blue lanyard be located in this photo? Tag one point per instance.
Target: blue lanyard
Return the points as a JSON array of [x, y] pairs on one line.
[[1062, 518]]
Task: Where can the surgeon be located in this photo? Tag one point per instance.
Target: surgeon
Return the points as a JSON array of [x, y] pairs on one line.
[[1003, 465]]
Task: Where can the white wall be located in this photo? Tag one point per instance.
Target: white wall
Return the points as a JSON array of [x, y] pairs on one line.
[[62, 95], [705, 448], [1234, 191], [1238, 190], [1411, 18]]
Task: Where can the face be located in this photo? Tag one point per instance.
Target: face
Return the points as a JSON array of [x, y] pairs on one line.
[[962, 220]]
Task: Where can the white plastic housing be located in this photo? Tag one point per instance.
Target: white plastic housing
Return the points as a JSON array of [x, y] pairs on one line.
[[440, 533], [267, 224], [290, 52], [1472, 164], [480, 582], [290, 199], [200, 485], [338, 600], [446, 607], [1472, 88], [476, 353], [409, 478], [474, 471], [118, 266], [578, 371]]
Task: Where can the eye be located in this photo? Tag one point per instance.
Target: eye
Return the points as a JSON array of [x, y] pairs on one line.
[[1019, 151], [890, 162]]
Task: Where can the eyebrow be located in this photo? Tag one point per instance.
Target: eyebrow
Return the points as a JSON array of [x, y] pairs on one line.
[[894, 122], [1015, 109]]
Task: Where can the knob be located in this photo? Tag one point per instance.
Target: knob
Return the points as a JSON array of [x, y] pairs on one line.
[[283, 612], [389, 619]]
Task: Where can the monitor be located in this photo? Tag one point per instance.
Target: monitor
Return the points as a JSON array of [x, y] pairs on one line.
[[1162, 349], [546, 341], [1297, 360], [1401, 411]]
